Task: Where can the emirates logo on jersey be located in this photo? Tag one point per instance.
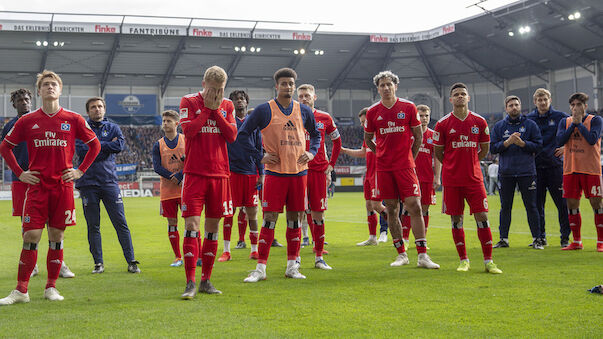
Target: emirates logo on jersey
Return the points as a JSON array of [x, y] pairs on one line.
[[50, 141], [391, 128], [464, 143], [210, 127]]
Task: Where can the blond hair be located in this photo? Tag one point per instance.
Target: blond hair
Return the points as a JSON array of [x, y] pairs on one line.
[[215, 73], [48, 74], [306, 87], [542, 92], [423, 108]]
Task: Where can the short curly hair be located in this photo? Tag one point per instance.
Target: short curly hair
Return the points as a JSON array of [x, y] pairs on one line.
[[18, 93]]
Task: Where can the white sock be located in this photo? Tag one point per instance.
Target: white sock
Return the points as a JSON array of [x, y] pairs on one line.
[[318, 259], [372, 237], [226, 246], [291, 263], [304, 228], [261, 267], [254, 248], [486, 261]]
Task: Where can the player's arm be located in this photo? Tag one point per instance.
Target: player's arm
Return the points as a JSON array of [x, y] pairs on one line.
[[191, 125], [438, 152], [227, 125], [497, 144], [368, 139], [162, 171], [117, 143], [84, 133], [28, 177], [563, 134], [437, 173], [310, 126], [484, 148], [418, 140], [258, 119], [80, 148], [260, 154], [336, 139], [355, 153], [595, 130]]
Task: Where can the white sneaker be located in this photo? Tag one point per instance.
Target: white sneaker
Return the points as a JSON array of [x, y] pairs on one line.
[[401, 259], [368, 242], [15, 297], [255, 276], [322, 265], [65, 272], [35, 271], [425, 261], [293, 272], [382, 237], [52, 294]]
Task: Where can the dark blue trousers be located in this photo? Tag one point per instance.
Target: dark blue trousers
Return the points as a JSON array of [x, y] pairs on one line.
[[551, 179], [111, 198], [527, 187]]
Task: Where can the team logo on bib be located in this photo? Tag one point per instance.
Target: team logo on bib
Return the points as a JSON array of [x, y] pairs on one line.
[[474, 130], [522, 129], [65, 127], [401, 115], [105, 133]]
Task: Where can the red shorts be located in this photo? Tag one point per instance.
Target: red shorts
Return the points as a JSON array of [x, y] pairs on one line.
[[575, 183], [244, 189], [398, 184], [428, 195], [370, 193], [169, 208], [18, 189], [54, 205], [281, 191], [213, 192], [317, 191], [455, 196]]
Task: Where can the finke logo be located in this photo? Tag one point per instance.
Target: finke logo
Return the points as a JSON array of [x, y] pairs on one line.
[[131, 104], [289, 126], [301, 36]]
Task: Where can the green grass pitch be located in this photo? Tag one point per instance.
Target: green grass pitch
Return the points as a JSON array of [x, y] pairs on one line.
[[540, 294]]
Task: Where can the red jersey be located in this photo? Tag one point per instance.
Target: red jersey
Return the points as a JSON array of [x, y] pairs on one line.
[[424, 160], [325, 125], [206, 133], [50, 141], [461, 140], [370, 161], [393, 131]]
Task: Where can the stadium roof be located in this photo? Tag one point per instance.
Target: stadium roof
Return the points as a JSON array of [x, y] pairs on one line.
[[477, 49]]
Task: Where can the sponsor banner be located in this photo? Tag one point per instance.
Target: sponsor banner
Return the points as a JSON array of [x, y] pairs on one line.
[[84, 27], [141, 29], [219, 32], [24, 26], [128, 185], [125, 169], [412, 37], [131, 104], [350, 170], [346, 182], [6, 195], [281, 35]]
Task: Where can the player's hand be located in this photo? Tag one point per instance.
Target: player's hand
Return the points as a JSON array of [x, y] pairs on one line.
[[29, 177], [559, 151], [114, 139], [437, 182], [212, 98], [175, 180], [328, 173], [576, 119], [305, 158], [271, 159], [71, 174], [260, 181]]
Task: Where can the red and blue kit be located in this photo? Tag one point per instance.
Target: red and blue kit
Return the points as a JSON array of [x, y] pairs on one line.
[[424, 162], [317, 178], [395, 167], [206, 167], [50, 142], [461, 172], [245, 169]]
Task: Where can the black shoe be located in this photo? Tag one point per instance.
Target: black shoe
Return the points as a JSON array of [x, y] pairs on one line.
[[537, 244], [500, 244], [564, 242], [98, 268], [543, 242], [205, 286], [133, 267], [241, 244], [275, 243], [189, 292]]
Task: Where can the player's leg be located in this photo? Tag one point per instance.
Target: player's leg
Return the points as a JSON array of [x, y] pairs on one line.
[[572, 192], [527, 187], [251, 213], [541, 188], [405, 222], [372, 221], [478, 206], [295, 201], [54, 260], [209, 250], [319, 242], [227, 230], [193, 190], [594, 192], [242, 223], [392, 207], [556, 185], [91, 206], [114, 205], [174, 237], [453, 204], [506, 195]]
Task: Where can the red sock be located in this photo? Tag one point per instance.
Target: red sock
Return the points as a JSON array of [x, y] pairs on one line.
[[405, 226], [575, 221], [599, 226], [458, 234], [174, 237], [485, 237], [399, 245], [421, 245], [426, 220], [293, 236], [242, 219], [210, 248], [227, 228], [373, 220], [54, 260], [311, 226], [266, 238], [27, 263], [191, 253], [253, 237], [319, 230]]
